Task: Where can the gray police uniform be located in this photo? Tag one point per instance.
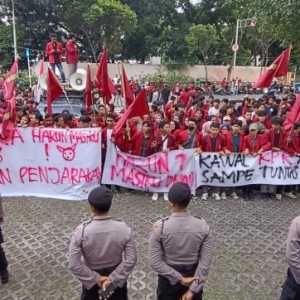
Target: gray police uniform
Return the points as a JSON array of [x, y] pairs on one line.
[[102, 246], [291, 287], [180, 246]]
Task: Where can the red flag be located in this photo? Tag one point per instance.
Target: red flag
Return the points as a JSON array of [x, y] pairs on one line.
[[278, 68], [138, 108], [127, 92], [102, 78], [10, 82], [9, 118], [54, 90], [294, 115], [88, 97]]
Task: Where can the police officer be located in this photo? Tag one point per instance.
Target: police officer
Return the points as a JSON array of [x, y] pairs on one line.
[[102, 251], [3, 261], [291, 287], [180, 249]]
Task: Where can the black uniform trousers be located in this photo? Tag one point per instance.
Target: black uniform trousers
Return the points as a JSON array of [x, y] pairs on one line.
[[93, 293], [166, 291], [290, 288], [3, 260]]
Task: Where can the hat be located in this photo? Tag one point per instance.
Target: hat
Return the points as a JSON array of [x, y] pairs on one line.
[[180, 194], [101, 198], [253, 126]]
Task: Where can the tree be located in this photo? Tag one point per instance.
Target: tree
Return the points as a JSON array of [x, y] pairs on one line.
[[201, 41], [110, 21]]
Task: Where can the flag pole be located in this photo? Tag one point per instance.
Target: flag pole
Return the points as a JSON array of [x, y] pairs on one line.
[[68, 100]]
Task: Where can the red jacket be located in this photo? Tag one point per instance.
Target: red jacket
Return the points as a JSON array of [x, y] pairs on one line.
[[171, 143], [183, 136], [50, 50], [293, 144], [253, 148], [270, 136], [229, 142], [71, 52], [206, 145], [137, 144]]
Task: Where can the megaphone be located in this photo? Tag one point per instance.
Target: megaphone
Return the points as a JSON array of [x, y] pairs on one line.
[[78, 80]]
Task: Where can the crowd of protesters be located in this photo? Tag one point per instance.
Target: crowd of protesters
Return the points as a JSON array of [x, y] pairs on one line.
[[183, 118]]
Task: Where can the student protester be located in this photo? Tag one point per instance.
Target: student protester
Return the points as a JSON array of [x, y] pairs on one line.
[[213, 142], [165, 142]]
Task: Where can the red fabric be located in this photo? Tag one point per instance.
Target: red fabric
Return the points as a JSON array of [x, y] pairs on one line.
[[293, 115], [88, 96], [127, 92], [8, 126], [138, 108], [9, 84], [278, 68], [293, 145], [206, 145], [54, 90], [270, 136], [71, 52], [258, 146], [102, 78], [229, 142], [137, 144], [183, 135], [184, 97], [171, 143], [50, 51], [267, 122]]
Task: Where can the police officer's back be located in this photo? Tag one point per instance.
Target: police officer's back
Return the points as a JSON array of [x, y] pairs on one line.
[[107, 248], [180, 249]]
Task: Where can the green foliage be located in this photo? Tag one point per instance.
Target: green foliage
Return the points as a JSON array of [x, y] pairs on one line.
[[201, 41], [170, 78]]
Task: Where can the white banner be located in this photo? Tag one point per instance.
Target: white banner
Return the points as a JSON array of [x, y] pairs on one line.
[[51, 163], [273, 168], [155, 173]]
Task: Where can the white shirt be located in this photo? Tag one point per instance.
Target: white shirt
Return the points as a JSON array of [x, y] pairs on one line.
[[108, 136]]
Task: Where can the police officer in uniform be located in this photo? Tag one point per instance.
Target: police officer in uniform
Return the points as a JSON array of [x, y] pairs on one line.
[[102, 251], [3, 261], [180, 249], [291, 286]]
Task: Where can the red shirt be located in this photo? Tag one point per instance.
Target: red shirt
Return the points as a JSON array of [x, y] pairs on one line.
[[253, 145], [50, 52], [207, 143], [71, 52]]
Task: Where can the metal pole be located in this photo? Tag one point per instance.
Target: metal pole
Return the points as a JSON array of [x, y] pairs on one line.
[[236, 41], [14, 29], [29, 69]]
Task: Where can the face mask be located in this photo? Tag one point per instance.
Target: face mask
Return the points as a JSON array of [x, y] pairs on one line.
[[191, 127]]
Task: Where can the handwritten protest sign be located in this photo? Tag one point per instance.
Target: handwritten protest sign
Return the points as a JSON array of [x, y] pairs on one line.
[[155, 173], [55, 163], [277, 168]]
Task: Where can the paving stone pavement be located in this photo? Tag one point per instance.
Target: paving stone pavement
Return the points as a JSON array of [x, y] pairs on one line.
[[249, 259]]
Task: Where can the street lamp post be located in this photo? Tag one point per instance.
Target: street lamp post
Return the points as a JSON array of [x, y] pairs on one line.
[[14, 29], [250, 22]]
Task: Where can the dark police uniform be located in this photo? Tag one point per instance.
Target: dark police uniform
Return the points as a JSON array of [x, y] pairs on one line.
[[180, 246], [102, 247]]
